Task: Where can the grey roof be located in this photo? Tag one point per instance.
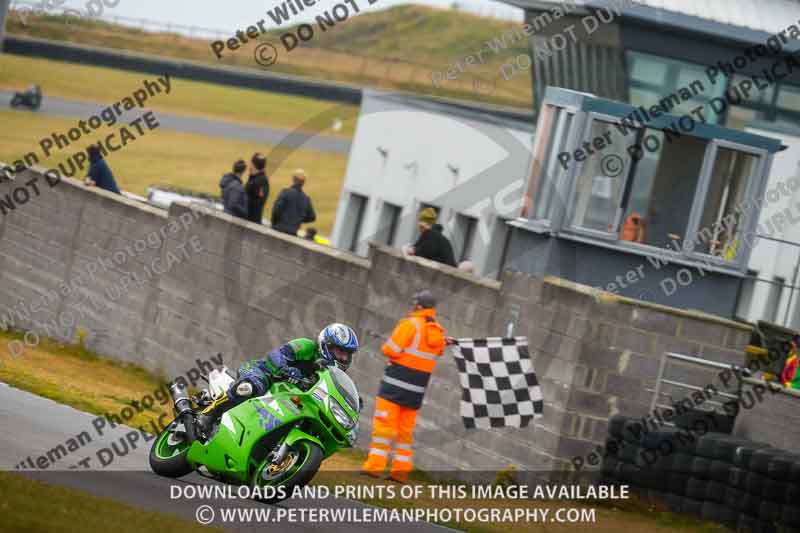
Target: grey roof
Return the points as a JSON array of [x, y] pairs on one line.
[[754, 20], [481, 112]]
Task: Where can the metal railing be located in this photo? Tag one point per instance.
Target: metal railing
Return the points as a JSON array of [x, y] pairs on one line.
[[660, 381]]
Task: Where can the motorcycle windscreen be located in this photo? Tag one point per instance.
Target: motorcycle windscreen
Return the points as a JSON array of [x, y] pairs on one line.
[[346, 387]]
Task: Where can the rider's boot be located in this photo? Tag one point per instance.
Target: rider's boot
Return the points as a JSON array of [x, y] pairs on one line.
[[206, 419]]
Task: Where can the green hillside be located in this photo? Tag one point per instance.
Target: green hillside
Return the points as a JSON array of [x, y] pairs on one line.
[[397, 48]]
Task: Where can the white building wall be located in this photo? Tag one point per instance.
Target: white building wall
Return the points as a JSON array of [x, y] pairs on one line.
[[771, 259], [409, 153]]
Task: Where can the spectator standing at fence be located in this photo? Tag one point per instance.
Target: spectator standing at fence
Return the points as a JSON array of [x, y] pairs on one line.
[[293, 206], [100, 174], [257, 188], [432, 244], [234, 197], [790, 377]]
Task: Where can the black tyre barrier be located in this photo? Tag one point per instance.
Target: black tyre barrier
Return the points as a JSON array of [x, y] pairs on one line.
[[629, 473], [755, 483], [726, 447], [743, 454], [676, 483], [774, 490], [717, 445], [737, 477], [654, 460], [780, 467], [692, 506], [791, 516], [715, 492], [615, 426], [759, 462], [628, 453], [612, 448], [792, 494], [720, 471], [734, 497], [673, 502], [751, 504], [719, 513], [701, 467], [632, 432], [747, 523], [682, 462], [696, 489], [770, 511]]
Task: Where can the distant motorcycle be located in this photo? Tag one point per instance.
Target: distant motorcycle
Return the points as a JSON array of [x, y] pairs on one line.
[[32, 99]]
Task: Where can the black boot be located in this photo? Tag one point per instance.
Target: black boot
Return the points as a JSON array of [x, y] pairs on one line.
[[205, 420]]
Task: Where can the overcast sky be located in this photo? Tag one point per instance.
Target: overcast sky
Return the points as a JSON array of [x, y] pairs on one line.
[[234, 14]]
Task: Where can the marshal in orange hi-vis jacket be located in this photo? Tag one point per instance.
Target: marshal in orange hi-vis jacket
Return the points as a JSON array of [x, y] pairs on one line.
[[414, 348]]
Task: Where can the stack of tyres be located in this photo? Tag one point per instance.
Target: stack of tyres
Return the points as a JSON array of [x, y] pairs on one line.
[[772, 480], [744, 485]]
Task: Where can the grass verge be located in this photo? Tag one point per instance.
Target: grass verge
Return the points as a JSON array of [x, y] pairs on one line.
[[33, 506], [207, 100], [183, 160], [58, 371]]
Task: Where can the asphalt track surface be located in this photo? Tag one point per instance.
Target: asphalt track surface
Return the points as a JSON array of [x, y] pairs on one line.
[[33, 425], [73, 109]]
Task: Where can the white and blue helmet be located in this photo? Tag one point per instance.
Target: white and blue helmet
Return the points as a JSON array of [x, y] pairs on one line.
[[337, 344]]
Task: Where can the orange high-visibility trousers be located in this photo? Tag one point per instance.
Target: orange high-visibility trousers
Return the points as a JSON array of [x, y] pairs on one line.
[[392, 423]]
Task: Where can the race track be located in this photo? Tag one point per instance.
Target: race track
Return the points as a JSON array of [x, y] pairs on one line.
[[60, 107], [35, 426]]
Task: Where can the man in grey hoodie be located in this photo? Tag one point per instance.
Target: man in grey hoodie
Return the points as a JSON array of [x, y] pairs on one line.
[[234, 197]]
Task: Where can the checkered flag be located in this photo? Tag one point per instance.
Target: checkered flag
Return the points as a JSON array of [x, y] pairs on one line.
[[499, 385]]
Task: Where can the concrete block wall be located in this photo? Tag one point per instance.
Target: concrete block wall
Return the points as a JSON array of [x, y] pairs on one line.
[[242, 289]]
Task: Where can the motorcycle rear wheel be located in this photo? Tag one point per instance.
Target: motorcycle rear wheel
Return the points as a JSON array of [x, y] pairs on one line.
[[305, 458], [167, 458]]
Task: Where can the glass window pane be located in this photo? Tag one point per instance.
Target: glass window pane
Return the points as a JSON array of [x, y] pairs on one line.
[[648, 69], [548, 118], [721, 222], [739, 117], [675, 79], [546, 198], [662, 189], [789, 97], [599, 187], [763, 96]]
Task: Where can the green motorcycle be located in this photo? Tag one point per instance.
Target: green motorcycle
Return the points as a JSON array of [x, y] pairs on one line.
[[275, 441]]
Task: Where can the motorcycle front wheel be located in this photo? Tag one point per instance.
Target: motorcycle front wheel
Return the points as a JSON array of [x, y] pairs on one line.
[[168, 455], [16, 101], [300, 466]]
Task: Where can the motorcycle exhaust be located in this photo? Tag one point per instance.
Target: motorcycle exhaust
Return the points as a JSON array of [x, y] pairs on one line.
[[180, 396], [183, 409]]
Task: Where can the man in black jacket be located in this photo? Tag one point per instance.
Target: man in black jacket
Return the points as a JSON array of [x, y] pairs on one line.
[[257, 188], [432, 244], [293, 206], [234, 197]]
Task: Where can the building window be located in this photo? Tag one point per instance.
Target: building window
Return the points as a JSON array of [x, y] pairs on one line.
[[675, 86], [388, 222], [464, 236], [649, 201], [598, 190], [721, 219], [546, 171], [354, 219]]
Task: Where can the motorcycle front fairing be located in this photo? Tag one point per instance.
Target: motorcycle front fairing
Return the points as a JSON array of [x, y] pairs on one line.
[[249, 431]]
